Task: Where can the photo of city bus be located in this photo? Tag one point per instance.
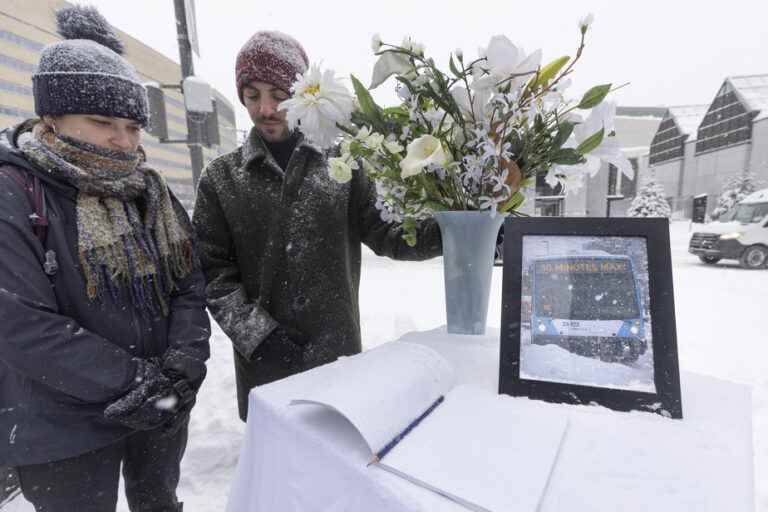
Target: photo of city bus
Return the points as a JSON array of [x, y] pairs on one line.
[[588, 304]]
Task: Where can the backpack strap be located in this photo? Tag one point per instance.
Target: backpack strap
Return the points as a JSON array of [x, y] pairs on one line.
[[33, 188]]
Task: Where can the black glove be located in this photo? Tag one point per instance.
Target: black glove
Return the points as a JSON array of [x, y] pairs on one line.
[[177, 365], [180, 420], [152, 401]]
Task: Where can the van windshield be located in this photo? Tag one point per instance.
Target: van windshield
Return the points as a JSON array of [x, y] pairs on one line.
[[748, 213]]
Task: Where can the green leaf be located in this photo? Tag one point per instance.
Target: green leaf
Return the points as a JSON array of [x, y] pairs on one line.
[[564, 132], [434, 205], [368, 106], [567, 156], [591, 142], [454, 69], [594, 96], [549, 71], [514, 202]]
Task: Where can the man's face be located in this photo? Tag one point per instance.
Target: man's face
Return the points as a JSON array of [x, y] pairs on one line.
[[261, 99]]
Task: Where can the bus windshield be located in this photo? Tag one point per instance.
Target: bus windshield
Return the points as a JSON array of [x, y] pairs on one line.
[[585, 289]]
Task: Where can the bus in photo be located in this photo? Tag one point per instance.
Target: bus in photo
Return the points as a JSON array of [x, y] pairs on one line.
[[589, 305]]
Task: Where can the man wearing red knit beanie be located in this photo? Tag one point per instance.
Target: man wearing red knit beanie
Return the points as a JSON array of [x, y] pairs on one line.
[[280, 241]]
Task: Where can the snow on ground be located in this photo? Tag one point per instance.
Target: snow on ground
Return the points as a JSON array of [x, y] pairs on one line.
[[555, 364], [719, 312]]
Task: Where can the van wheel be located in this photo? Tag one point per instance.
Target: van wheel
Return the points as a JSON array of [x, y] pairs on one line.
[[709, 260], [755, 256]]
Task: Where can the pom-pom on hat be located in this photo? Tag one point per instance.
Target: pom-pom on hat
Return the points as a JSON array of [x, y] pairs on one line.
[[271, 57], [85, 73]]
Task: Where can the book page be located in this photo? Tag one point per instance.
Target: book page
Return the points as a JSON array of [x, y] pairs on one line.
[[382, 390], [482, 451]]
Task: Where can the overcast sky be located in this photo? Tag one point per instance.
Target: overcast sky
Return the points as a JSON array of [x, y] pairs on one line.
[[671, 52]]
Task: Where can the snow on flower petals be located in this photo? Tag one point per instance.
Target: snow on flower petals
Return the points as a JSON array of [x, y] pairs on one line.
[[319, 102], [422, 152]]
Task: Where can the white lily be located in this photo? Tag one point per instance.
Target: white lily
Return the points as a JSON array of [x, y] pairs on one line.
[[422, 152], [319, 102], [570, 176], [390, 63], [609, 150], [479, 108], [504, 59]]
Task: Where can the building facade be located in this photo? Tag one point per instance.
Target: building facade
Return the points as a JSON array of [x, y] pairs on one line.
[[26, 26], [697, 149], [609, 192]]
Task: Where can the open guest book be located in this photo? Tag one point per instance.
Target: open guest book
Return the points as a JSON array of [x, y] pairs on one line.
[[473, 447]]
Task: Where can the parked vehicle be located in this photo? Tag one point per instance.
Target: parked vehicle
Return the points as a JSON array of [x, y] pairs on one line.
[[588, 305], [740, 234]]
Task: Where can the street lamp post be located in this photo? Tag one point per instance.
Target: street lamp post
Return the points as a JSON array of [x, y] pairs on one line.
[[188, 69]]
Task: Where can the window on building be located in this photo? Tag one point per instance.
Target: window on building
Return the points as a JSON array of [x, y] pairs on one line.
[[628, 186], [543, 188], [668, 142], [726, 122], [612, 179]]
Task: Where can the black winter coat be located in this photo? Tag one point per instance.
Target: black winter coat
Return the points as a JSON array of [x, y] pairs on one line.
[[285, 248], [62, 359]]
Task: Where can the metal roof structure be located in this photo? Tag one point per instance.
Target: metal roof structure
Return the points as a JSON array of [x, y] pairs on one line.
[[753, 92], [687, 117]]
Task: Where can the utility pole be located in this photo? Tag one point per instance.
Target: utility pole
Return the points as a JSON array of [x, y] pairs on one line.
[[188, 69]]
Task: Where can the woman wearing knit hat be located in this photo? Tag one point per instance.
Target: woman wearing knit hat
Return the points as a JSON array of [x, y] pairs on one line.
[[102, 315], [280, 241]]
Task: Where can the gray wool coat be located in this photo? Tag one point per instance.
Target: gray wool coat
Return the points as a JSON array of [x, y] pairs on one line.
[[284, 248]]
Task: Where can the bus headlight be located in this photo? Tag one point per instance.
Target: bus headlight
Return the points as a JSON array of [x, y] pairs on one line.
[[634, 330], [731, 236], [542, 328]]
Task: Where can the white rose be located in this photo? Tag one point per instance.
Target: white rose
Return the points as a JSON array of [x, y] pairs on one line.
[[374, 141], [339, 170], [393, 147]]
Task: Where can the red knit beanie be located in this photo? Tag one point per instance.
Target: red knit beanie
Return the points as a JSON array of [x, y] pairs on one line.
[[271, 57]]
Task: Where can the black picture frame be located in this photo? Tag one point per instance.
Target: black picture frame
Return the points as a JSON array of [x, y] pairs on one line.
[[663, 393]]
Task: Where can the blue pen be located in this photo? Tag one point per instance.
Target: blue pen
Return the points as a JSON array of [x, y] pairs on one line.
[[394, 442]]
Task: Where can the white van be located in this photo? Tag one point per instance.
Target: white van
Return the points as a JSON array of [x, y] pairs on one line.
[[740, 234]]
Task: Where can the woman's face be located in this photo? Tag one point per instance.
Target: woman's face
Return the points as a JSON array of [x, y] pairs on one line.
[[113, 133]]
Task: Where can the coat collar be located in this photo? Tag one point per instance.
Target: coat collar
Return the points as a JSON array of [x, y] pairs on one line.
[[254, 149]]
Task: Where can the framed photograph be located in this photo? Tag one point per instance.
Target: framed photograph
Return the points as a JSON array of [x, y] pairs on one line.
[[588, 313]]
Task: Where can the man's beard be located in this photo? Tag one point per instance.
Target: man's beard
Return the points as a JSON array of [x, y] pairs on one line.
[[271, 132]]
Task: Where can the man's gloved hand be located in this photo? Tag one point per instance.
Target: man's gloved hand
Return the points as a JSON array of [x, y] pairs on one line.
[[177, 365], [152, 401], [284, 346]]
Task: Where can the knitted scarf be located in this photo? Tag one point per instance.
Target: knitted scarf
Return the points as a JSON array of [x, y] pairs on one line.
[[131, 242]]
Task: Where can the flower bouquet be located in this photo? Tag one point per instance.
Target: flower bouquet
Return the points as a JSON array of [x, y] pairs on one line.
[[470, 138], [460, 142]]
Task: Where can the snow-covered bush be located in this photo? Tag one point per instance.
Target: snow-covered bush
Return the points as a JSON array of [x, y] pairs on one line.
[[734, 190], [650, 202]]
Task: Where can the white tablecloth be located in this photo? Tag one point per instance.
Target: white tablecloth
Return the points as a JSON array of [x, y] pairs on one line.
[[309, 459]]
